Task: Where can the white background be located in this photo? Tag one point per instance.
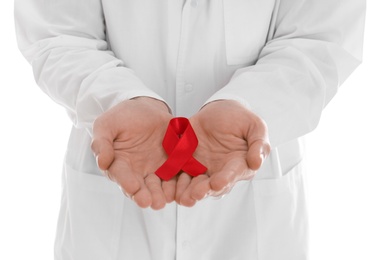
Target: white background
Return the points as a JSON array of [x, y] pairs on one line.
[[344, 158]]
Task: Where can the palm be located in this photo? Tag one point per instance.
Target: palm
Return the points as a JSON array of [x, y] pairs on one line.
[[139, 147], [219, 148], [232, 144]]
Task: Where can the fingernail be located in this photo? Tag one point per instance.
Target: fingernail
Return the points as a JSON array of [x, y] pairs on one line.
[[124, 193], [219, 197], [97, 159]]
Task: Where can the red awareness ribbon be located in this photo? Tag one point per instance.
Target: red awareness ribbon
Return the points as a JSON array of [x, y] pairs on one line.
[[180, 142]]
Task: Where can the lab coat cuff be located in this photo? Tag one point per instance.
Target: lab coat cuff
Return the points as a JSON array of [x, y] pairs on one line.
[[127, 96], [140, 93], [228, 96]]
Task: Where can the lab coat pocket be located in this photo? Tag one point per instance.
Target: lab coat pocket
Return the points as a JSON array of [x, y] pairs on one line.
[[281, 216], [90, 217], [246, 27]]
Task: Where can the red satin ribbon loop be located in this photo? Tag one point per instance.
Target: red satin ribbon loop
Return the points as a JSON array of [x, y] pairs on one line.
[[180, 142]]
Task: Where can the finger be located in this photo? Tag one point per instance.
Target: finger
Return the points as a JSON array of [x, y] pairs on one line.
[[121, 173], [169, 189], [220, 194], [232, 171], [143, 197], [201, 189], [153, 183], [104, 153], [257, 153], [183, 182], [187, 198]]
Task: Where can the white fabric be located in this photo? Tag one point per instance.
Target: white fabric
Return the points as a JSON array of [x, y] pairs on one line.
[[284, 60]]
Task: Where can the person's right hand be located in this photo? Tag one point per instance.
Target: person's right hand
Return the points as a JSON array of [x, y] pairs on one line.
[[127, 142]]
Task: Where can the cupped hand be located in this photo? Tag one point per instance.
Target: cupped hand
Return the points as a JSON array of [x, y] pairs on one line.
[[233, 142], [127, 142]]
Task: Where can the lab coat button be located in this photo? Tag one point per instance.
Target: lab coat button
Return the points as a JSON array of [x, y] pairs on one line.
[[186, 244], [188, 88], [194, 3]]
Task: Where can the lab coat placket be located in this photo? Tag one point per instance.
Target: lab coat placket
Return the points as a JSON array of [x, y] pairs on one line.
[[181, 60], [182, 229]]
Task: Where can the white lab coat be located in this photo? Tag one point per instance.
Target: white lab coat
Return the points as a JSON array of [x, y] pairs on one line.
[[283, 59]]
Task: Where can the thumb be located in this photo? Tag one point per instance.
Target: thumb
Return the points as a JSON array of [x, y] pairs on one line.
[[102, 143], [104, 153], [258, 151]]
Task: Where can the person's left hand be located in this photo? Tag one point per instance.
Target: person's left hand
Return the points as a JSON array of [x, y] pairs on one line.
[[233, 143]]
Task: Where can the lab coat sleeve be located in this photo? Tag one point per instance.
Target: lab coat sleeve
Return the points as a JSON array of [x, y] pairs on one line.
[[65, 41], [312, 47]]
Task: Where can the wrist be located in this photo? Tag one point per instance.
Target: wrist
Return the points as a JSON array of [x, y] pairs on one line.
[[158, 104]]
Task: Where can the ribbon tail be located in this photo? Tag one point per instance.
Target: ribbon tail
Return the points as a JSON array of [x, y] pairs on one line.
[[194, 167], [166, 172]]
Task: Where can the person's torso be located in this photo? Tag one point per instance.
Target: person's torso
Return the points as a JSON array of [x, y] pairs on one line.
[[187, 50]]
